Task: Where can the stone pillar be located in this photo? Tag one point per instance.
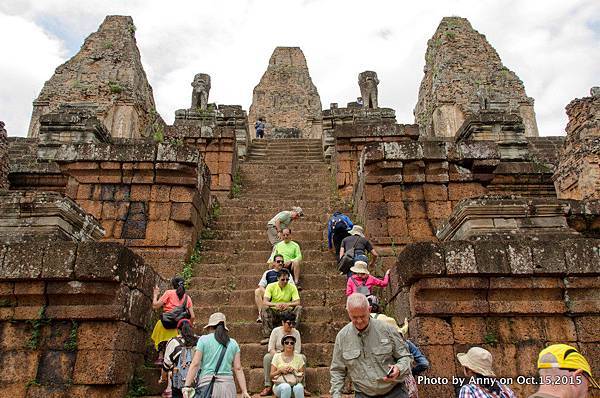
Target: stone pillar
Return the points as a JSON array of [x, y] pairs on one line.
[[4, 163], [578, 173]]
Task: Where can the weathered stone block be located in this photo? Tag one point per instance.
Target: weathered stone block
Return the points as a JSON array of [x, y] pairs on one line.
[[22, 261], [460, 258], [56, 367], [468, 330], [491, 257], [101, 367], [548, 257], [559, 328], [432, 331], [20, 367], [587, 328]]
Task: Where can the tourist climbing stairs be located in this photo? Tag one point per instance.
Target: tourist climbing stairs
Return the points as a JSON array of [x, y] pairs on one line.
[[277, 175]]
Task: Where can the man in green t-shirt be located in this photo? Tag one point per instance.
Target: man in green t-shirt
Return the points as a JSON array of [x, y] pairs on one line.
[[290, 251], [280, 297]]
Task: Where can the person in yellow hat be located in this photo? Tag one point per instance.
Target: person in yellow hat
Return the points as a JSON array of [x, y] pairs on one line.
[[564, 373]]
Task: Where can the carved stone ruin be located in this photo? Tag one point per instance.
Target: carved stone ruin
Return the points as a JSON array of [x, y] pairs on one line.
[[464, 75], [201, 89], [368, 81], [4, 164], [286, 96], [106, 73], [578, 173]]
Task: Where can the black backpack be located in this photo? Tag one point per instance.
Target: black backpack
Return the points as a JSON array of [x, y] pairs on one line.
[[170, 319], [338, 223]]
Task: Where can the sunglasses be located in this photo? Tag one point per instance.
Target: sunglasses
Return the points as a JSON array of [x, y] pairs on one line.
[[279, 261], [284, 279], [289, 342], [291, 323]]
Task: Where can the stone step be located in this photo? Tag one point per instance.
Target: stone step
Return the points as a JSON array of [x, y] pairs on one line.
[[245, 281], [278, 162], [256, 244], [250, 216], [289, 154], [256, 256], [282, 199], [312, 209], [251, 332], [298, 236], [247, 313], [308, 297], [262, 225], [284, 168], [235, 267]]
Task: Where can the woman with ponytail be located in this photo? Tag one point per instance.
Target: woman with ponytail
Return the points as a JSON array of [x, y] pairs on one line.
[[178, 357], [171, 299], [218, 358]]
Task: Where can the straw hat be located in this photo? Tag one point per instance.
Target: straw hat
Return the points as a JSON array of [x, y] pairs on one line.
[[215, 319], [478, 360], [298, 210], [357, 230], [360, 267]]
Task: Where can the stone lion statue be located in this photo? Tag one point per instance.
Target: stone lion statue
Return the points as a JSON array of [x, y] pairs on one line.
[[368, 81], [201, 88]]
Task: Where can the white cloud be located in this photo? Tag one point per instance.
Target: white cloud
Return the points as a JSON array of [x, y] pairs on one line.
[[552, 48]]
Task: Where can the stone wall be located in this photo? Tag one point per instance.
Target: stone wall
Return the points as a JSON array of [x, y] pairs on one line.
[[510, 297], [220, 135], [407, 189], [463, 75], [286, 96], [151, 198], [73, 318], [4, 164], [578, 173], [107, 76]]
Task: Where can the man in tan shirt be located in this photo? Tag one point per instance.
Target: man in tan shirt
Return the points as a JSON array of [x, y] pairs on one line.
[[371, 352]]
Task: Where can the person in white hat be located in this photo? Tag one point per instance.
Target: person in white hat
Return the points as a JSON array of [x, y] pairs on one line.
[[361, 246], [481, 381], [218, 357], [362, 281]]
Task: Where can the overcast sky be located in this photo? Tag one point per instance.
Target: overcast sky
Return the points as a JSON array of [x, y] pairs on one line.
[[552, 45]]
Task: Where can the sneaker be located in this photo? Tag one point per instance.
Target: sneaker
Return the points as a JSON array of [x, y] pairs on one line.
[[264, 341], [259, 320], [266, 391], [298, 287]]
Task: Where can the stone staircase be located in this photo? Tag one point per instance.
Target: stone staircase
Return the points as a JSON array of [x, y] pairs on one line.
[[277, 175]]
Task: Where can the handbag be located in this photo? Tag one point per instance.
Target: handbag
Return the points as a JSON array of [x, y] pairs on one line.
[[170, 319], [206, 390], [347, 260], [291, 378]]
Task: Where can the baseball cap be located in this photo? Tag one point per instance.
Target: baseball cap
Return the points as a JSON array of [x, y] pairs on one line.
[[563, 356]]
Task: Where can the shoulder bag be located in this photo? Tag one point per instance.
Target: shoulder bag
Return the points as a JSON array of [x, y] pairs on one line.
[[170, 319]]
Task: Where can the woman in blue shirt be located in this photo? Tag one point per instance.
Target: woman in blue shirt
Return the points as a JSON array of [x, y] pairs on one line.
[[208, 352]]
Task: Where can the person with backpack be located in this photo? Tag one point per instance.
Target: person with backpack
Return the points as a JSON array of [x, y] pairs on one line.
[[259, 126], [362, 281], [218, 357], [355, 248], [178, 357], [176, 305], [337, 229]]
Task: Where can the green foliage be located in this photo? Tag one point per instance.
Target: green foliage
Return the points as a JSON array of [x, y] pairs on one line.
[[437, 42], [450, 35], [37, 324], [490, 338], [236, 187], [115, 87], [158, 134], [5, 303], [131, 28], [32, 383], [71, 343], [188, 266], [136, 387], [107, 44]]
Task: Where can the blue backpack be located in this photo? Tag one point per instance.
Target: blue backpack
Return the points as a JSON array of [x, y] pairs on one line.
[[186, 354], [338, 223]]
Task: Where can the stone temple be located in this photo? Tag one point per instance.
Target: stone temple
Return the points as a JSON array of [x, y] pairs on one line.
[[491, 231]]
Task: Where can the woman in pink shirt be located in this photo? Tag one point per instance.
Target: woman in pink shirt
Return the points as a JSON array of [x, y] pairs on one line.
[[362, 281]]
